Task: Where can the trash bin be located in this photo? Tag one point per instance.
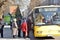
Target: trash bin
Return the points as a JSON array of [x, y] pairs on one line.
[[7, 32]]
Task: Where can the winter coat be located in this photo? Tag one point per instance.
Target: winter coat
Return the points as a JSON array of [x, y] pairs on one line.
[[24, 27]]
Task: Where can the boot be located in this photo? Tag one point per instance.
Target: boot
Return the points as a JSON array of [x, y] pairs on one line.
[[13, 36]]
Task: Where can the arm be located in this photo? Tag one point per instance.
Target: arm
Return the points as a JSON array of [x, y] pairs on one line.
[[16, 25]]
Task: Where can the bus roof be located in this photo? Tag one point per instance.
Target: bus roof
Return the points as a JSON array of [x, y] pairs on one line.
[[47, 6], [44, 7]]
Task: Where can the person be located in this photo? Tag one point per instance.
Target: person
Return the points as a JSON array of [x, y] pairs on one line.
[[14, 28], [19, 18], [29, 25], [40, 18], [24, 28], [1, 27], [19, 26], [12, 12]]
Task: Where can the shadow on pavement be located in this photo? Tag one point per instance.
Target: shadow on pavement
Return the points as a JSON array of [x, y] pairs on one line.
[[44, 38]]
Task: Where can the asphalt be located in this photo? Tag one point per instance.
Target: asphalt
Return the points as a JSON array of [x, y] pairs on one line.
[[7, 33]]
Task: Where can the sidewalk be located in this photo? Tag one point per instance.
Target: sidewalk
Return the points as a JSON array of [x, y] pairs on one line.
[[14, 39]]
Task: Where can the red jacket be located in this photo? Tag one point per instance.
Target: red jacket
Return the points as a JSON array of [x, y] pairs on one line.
[[24, 27]]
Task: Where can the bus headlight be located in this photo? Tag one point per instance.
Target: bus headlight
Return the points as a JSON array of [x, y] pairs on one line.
[[39, 31]]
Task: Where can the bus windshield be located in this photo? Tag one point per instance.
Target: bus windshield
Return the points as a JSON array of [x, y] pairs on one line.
[[47, 15]]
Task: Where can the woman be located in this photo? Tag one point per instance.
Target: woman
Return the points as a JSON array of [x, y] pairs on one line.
[[24, 28]]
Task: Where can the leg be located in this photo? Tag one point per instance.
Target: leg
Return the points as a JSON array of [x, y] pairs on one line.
[[28, 33], [24, 34], [13, 36], [2, 33], [21, 33], [18, 32]]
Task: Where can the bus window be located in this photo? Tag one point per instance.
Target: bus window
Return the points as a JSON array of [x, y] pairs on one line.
[[39, 17], [56, 18], [45, 15]]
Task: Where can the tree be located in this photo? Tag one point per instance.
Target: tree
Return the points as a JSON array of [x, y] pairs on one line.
[[35, 3]]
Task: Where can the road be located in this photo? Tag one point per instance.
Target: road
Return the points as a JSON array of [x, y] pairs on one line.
[[7, 33]]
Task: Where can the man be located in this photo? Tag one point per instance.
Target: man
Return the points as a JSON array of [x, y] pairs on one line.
[[19, 18], [29, 25], [1, 27]]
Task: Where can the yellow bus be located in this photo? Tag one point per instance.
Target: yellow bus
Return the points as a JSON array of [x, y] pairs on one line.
[[46, 20]]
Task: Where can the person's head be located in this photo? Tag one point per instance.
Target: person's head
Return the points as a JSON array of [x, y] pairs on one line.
[[29, 17], [24, 19]]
